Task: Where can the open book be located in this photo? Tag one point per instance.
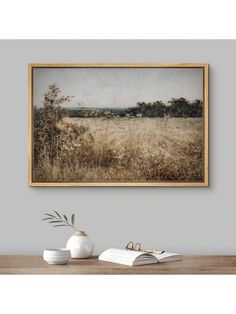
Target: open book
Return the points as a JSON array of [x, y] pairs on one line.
[[135, 258]]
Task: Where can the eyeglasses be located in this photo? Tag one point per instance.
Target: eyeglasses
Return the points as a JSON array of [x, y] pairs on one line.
[[137, 247]]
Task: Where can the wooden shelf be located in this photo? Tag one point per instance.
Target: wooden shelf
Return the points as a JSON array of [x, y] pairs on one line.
[[12, 264]]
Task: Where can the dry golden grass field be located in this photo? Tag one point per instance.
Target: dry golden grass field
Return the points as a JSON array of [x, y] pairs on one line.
[[125, 149]]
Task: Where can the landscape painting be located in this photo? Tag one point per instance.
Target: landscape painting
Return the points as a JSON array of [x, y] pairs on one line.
[[118, 125]]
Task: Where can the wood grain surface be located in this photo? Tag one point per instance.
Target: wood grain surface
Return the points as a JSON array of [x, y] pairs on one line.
[[189, 265]]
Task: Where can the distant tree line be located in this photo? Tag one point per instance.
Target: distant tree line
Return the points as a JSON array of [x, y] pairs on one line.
[[176, 107]]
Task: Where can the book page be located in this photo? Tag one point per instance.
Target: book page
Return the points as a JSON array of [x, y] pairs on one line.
[[122, 256], [167, 256]]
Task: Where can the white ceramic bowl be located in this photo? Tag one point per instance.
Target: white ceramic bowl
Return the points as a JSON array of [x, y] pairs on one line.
[[56, 256], [57, 252]]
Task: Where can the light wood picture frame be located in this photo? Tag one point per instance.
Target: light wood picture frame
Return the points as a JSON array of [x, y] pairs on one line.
[[118, 124]]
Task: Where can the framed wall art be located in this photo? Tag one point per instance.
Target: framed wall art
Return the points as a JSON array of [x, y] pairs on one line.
[[118, 124]]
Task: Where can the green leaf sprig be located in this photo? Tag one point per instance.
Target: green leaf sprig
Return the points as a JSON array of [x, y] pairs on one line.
[[61, 220]]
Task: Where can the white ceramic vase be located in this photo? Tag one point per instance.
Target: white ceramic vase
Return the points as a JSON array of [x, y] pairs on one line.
[[80, 245]]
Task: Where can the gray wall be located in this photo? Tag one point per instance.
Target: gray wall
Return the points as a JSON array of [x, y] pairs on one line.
[[188, 220]]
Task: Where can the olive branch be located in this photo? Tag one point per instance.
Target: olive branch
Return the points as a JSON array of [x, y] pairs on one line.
[[61, 220]]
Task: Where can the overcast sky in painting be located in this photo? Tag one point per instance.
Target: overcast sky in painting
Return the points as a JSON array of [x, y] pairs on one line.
[[119, 87]]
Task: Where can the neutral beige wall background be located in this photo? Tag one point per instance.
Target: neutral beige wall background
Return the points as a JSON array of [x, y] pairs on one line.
[[188, 220]]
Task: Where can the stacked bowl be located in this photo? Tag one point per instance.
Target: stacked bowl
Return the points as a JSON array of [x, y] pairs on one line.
[[56, 256]]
